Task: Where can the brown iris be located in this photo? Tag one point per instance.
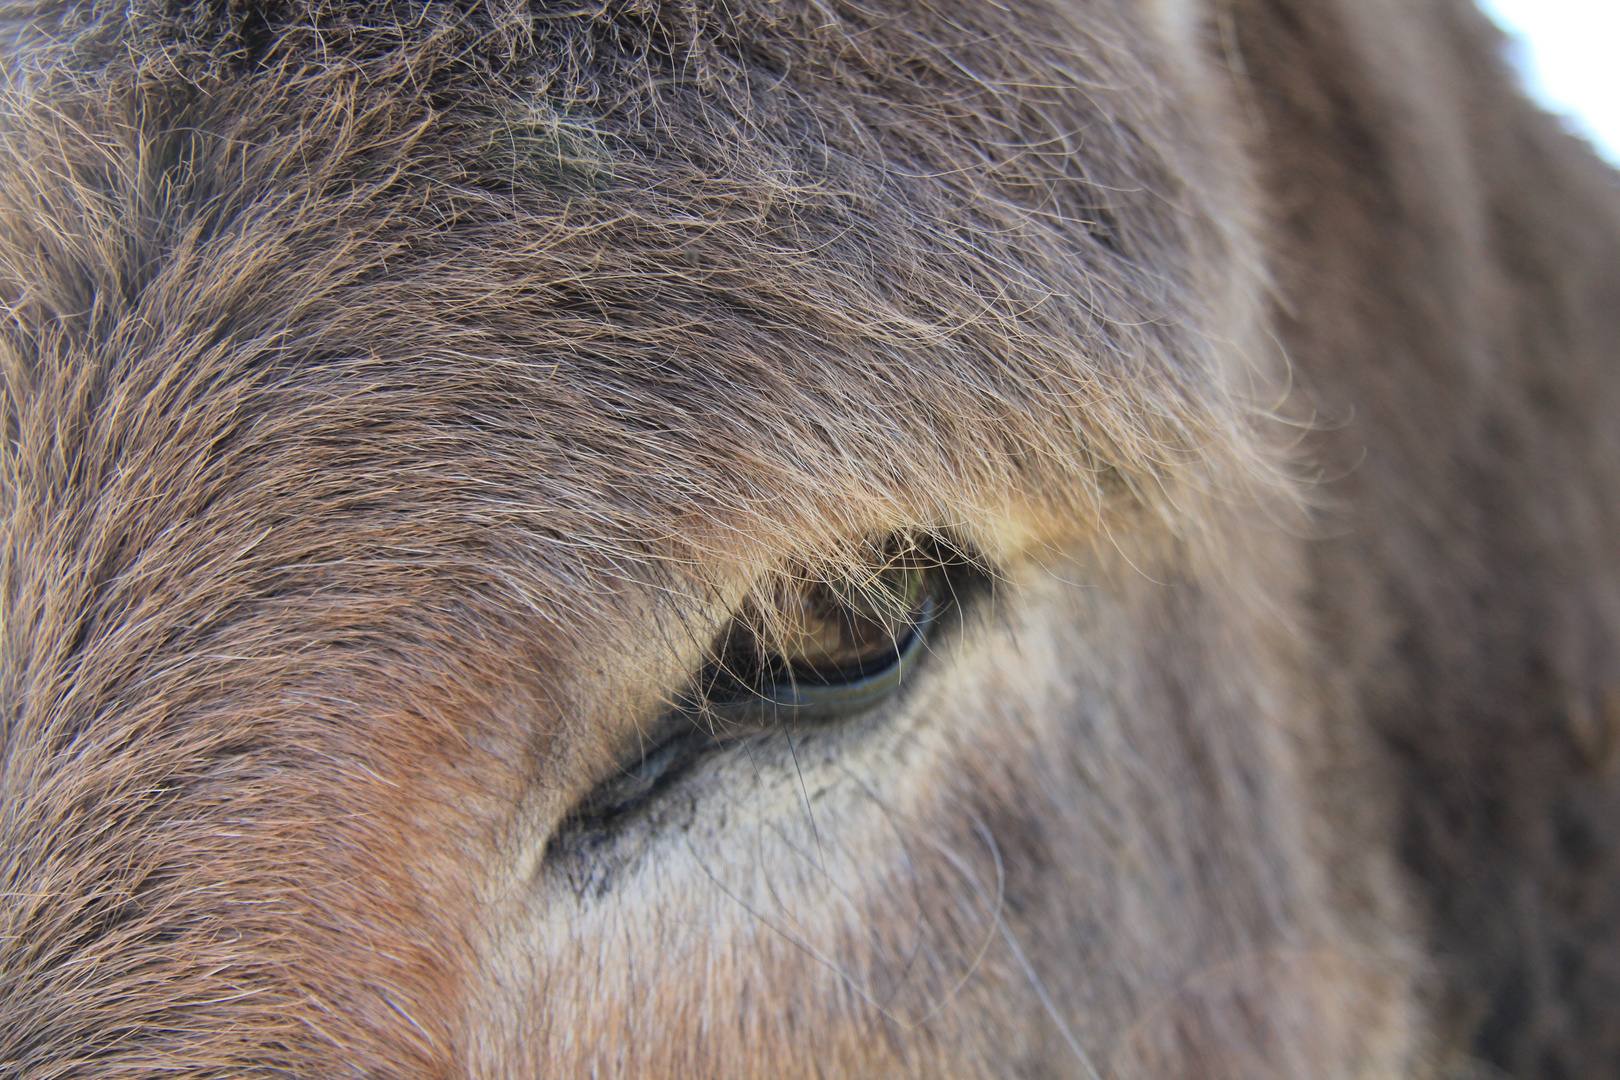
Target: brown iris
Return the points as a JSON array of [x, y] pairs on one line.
[[821, 646], [826, 631]]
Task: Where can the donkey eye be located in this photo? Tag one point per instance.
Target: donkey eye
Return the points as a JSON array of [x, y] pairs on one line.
[[819, 649], [811, 650]]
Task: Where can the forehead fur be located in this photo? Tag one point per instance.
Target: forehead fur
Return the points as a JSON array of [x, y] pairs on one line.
[[729, 270]]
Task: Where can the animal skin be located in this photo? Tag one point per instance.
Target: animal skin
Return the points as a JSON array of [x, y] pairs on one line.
[[406, 403]]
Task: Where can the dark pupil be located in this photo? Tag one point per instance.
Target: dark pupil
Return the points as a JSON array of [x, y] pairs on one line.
[[831, 633]]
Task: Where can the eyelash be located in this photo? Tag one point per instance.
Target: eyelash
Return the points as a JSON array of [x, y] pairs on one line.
[[752, 683]]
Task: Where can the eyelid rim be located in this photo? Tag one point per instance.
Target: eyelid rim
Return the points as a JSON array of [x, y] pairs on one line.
[[793, 701]]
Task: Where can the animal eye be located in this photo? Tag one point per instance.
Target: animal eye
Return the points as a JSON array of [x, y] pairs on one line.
[[813, 649], [822, 648]]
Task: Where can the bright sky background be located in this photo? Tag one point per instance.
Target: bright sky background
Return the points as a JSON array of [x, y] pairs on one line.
[[1571, 60]]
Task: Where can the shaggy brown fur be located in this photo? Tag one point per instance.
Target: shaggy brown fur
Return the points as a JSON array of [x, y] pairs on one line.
[[398, 397]]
